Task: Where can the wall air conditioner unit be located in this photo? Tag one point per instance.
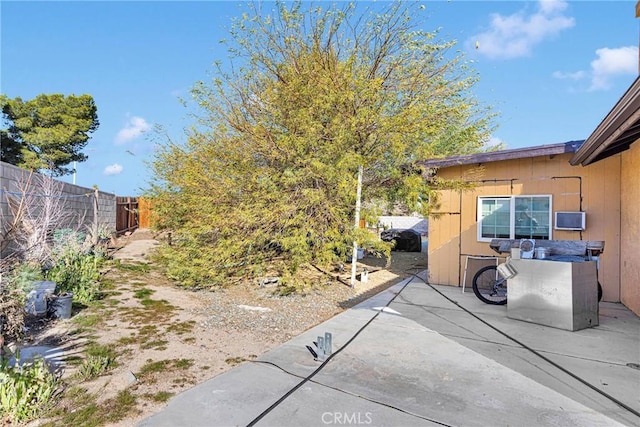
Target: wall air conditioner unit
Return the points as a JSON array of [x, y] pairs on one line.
[[570, 221]]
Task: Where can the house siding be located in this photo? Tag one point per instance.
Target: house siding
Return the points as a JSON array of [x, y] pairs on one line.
[[444, 239], [454, 237], [630, 226]]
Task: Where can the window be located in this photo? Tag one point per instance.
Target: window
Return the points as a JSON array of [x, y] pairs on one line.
[[518, 217]]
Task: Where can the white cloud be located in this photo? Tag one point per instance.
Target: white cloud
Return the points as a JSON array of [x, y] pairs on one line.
[[551, 6], [515, 35], [578, 75], [135, 127], [612, 62], [113, 169], [609, 63], [495, 143]]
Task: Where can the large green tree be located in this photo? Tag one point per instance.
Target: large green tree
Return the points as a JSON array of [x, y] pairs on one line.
[[47, 132], [268, 172]]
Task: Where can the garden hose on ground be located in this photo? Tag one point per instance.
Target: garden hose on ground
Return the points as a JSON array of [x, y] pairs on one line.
[[546, 359], [324, 363]]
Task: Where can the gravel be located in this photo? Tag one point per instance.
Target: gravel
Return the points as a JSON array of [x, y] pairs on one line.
[[256, 309]]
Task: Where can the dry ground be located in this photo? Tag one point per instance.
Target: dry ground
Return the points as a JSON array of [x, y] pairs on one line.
[[168, 339]]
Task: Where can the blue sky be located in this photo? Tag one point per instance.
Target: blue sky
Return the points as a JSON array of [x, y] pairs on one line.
[[552, 69]]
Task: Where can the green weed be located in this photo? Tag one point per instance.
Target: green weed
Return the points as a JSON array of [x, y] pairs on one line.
[[181, 328], [87, 413], [151, 368], [26, 390], [87, 320], [155, 344], [143, 293], [233, 361], [100, 359], [120, 407], [162, 396], [138, 267], [128, 340], [79, 274], [94, 366]]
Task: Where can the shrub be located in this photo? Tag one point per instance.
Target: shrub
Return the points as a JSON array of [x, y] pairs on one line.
[[25, 390], [78, 273], [11, 314], [23, 276], [13, 289]]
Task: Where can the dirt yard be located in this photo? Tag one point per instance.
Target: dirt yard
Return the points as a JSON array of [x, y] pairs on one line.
[[167, 339]]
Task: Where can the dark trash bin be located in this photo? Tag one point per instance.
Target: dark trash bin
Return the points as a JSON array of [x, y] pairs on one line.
[[60, 305], [407, 240]]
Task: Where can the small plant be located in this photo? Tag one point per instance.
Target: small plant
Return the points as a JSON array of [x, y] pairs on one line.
[[143, 293], [233, 361], [99, 360], [88, 413], [94, 366], [139, 267], [76, 268], [100, 232], [151, 368], [13, 291], [23, 276], [285, 290], [26, 390], [88, 320], [120, 406], [68, 239], [182, 327], [78, 274], [85, 411], [162, 396]]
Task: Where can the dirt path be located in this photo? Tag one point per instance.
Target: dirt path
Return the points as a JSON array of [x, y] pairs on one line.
[[166, 339]]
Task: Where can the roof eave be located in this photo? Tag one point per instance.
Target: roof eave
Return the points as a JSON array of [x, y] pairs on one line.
[[495, 156], [623, 118]]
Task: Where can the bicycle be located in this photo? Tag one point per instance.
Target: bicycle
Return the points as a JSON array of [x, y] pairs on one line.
[[490, 286]]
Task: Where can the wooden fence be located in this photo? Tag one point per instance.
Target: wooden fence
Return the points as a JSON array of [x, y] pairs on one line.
[[126, 214]]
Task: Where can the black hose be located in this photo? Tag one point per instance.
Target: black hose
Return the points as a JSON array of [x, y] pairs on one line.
[[546, 359], [533, 351], [319, 368]]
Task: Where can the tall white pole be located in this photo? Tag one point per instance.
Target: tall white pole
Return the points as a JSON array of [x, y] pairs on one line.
[[354, 256], [75, 165]]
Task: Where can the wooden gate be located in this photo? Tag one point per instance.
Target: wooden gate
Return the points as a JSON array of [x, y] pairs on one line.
[[144, 210], [126, 214]]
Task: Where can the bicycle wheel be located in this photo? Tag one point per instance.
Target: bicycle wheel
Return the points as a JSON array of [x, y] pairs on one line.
[[599, 291], [489, 286]]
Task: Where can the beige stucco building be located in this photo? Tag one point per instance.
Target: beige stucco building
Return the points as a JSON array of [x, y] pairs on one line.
[[600, 177]]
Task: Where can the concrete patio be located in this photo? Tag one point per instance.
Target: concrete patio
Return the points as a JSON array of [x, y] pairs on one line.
[[418, 354]]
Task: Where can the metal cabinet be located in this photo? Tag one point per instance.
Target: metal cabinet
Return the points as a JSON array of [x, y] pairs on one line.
[[553, 293]]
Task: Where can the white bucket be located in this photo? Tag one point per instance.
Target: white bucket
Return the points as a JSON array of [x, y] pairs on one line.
[[37, 298]]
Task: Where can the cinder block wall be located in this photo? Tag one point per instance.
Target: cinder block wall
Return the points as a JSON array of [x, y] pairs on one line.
[[79, 201]]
